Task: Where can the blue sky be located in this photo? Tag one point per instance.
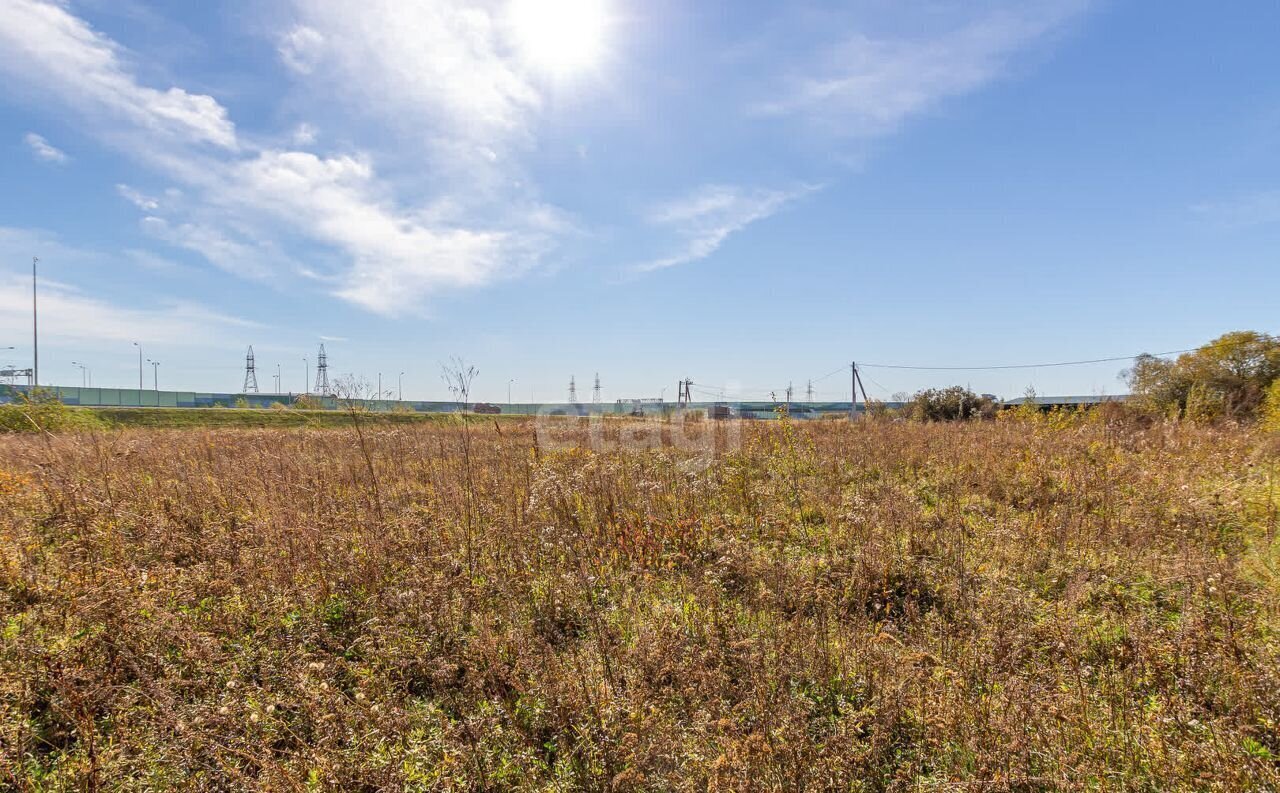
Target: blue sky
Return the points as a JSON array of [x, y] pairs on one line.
[[745, 193]]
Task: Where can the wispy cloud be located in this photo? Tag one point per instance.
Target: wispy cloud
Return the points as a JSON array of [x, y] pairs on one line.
[[300, 48], [141, 200], [711, 214], [1255, 209], [68, 314], [43, 43], [304, 134], [867, 85], [245, 204], [43, 150], [151, 261], [443, 64], [237, 255]]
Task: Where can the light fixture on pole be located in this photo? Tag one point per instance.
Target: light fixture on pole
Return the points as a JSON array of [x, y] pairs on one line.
[[400, 387], [83, 372], [139, 346], [509, 382], [155, 374]]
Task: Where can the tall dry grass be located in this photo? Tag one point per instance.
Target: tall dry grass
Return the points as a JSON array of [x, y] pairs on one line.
[[1004, 606]]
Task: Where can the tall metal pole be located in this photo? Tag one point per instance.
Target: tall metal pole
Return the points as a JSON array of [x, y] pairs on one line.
[[379, 386], [155, 374], [306, 383], [139, 346], [509, 382], [35, 327], [853, 390], [400, 388]]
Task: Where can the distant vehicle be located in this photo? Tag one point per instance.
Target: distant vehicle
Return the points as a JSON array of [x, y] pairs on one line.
[[485, 407]]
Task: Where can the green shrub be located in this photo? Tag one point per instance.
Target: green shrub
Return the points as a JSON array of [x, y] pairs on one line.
[[42, 413], [956, 403], [1271, 411]]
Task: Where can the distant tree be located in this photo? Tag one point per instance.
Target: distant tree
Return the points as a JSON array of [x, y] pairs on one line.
[[956, 403], [1226, 378]]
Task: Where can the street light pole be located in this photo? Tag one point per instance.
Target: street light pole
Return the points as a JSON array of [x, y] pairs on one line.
[[83, 369], [155, 374], [400, 387], [139, 346], [35, 327], [509, 382], [306, 383]]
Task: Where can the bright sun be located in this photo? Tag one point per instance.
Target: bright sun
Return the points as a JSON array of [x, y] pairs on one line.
[[559, 37]]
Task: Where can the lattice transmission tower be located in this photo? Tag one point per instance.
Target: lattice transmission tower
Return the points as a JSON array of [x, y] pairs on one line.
[[250, 373], [322, 373]]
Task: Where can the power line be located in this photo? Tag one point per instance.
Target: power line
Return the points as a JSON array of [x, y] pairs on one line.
[[1024, 365], [721, 393]]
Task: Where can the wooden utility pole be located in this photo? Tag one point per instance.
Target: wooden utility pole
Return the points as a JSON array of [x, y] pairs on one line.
[[853, 390], [855, 384]]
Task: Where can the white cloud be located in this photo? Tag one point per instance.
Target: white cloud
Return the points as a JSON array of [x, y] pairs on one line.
[[397, 259], [151, 261], [43, 150], [142, 201], [710, 215], [304, 134], [19, 244], [44, 44], [1255, 209], [301, 48], [868, 85], [443, 67], [241, 204], [68, 315], [246, 259]]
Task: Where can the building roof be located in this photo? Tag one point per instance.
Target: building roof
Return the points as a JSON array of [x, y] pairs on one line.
[[1095, 399]]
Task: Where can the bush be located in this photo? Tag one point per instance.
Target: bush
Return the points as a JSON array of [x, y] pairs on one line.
[[1271, 412], [956, 403], [42, 413]]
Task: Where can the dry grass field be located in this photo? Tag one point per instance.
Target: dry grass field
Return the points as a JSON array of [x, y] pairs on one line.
[[1009, 605]]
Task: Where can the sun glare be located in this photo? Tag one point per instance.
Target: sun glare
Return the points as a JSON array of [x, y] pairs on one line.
[[559, 37]]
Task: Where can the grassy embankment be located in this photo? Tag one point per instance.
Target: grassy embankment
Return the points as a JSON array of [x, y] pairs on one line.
[[242, 417]]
